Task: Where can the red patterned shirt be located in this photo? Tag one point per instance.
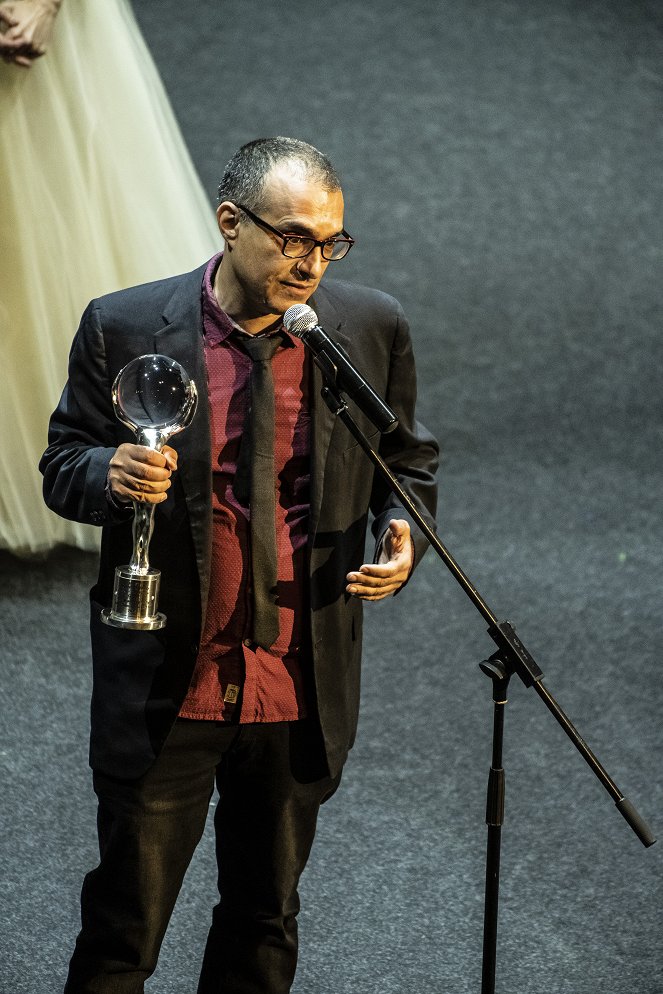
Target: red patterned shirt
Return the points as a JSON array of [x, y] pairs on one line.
[[234, 680]]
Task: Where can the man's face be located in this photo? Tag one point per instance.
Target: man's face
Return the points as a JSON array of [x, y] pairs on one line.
[[259, 280]]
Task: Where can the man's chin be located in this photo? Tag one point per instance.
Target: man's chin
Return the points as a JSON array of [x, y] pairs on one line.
[[296, 295]]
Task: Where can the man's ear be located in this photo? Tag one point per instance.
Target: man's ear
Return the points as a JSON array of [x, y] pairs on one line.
[[228, 218]]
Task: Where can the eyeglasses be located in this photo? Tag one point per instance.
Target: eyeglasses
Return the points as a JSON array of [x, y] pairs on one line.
[[299, 246]]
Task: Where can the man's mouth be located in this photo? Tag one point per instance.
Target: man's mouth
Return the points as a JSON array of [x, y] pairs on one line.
[[299, 287]]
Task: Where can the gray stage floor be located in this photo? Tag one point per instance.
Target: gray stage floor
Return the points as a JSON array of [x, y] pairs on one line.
[[502, 167]]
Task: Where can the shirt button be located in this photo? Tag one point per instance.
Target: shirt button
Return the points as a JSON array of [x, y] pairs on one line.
[[247, 642]]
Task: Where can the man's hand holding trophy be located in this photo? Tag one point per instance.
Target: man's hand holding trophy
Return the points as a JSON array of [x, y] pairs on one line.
[[154, 397]]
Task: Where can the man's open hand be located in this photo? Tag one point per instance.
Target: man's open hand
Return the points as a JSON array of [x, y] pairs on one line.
[[374, 581]]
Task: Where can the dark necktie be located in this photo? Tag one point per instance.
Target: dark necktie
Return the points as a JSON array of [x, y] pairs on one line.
[[255, 485]]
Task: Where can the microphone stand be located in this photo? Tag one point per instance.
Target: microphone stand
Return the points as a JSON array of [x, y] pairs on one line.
[[511, 657]]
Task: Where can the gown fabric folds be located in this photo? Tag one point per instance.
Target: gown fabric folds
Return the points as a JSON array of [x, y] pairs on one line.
[[97, 192]]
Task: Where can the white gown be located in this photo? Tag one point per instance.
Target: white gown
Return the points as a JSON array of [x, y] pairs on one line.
[[97, 192]]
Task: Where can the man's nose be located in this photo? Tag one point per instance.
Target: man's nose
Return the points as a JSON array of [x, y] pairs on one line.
[[312, 265]]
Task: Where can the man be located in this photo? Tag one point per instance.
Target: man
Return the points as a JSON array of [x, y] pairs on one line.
[[252, 685]]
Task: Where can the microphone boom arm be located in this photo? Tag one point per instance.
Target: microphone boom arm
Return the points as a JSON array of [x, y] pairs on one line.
[[511, 650]]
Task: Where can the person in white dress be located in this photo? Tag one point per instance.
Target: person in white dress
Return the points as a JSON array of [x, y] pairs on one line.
[[98, 193]]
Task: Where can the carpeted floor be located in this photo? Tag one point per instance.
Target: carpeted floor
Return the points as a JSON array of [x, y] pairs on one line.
[[503, 177]]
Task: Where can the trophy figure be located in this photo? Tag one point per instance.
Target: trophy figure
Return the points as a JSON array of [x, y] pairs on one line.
[[154, 397]]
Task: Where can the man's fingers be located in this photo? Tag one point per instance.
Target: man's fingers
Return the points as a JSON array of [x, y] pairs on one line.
[[170, 455], [370, 586], [142, 498], [141, 474], [372, 579], [367, 593], [372, 571], [141, 463], [376, 573], [145, 473], [140, 490]]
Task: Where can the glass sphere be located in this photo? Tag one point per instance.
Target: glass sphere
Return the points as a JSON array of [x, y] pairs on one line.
[[153, 391]]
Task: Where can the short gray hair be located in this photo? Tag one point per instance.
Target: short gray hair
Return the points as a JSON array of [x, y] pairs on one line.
[[244, 177]]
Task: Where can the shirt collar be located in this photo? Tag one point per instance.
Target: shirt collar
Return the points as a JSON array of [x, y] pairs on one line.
[[217, 325]]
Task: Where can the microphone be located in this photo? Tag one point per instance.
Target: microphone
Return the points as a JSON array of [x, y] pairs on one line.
[[302, 321]]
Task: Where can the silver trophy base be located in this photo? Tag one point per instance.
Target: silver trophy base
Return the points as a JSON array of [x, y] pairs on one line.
[[135, 598]]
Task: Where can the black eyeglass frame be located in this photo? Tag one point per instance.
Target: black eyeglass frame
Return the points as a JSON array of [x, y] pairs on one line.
[[285, 236]]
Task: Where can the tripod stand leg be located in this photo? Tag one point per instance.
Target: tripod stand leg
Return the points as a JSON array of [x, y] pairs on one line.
[[498, 672]]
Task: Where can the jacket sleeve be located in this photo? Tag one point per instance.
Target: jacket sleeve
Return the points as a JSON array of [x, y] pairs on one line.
[[82, 435], [410, 451]]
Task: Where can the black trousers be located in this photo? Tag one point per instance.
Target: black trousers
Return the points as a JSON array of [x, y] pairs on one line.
[[270, 790]]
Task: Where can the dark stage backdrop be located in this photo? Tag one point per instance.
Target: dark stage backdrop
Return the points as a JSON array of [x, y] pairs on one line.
[[502, 166]]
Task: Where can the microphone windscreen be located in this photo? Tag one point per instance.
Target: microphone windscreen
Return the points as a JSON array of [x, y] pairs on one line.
[[299, 318]]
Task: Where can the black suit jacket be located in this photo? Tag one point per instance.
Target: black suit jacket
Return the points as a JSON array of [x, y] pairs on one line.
[[140, 678]]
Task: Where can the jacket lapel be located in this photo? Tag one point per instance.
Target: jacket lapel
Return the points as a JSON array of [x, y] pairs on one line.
[[322, 419], [182, 339]]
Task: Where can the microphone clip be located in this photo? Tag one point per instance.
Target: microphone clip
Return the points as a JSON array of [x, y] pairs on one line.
[[331, 392], [328, 368]]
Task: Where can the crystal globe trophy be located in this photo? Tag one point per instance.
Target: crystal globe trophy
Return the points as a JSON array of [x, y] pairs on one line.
[[153, 396]]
